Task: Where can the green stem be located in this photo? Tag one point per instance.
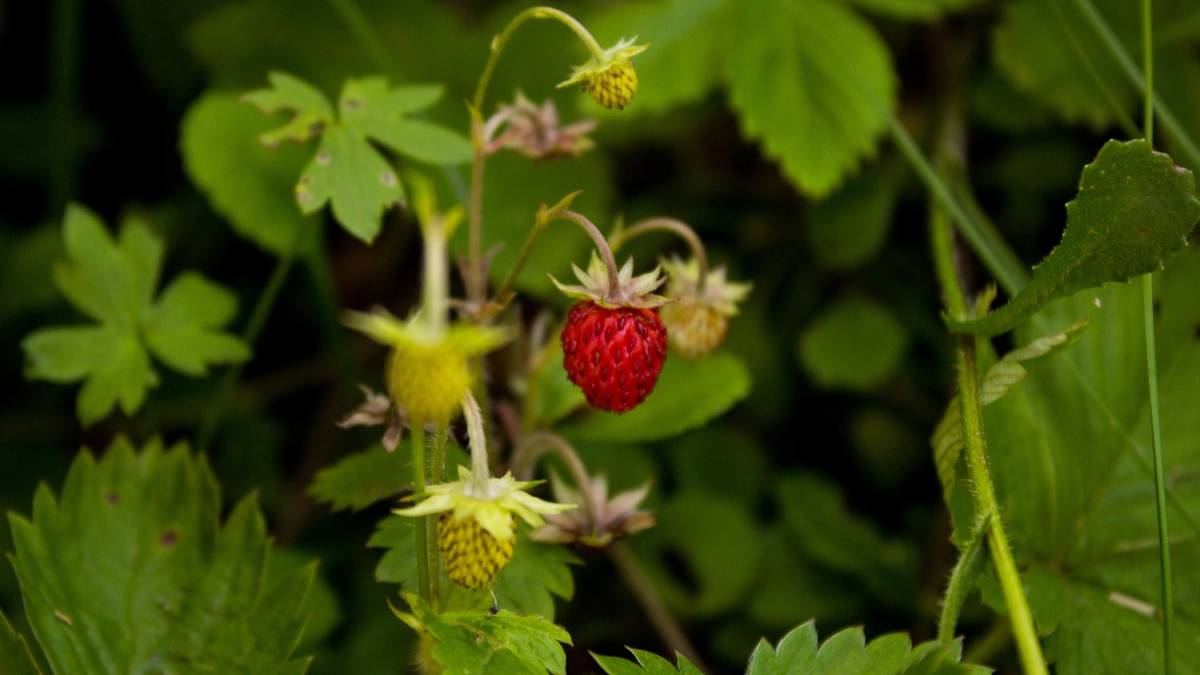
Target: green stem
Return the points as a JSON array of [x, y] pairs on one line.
[[1123, 118], [987, 508], [534, 445], [254, 328], [435, 289], [962, 580], [678, 227], [1006, 268], [360, 26], [1172, 125], [522, 257], [544, 219], [1160, 484], [664, 622], [476, 283], [64, 87], [424, 545]]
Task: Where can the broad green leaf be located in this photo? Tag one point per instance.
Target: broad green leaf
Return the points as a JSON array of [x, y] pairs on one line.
[[166, 587], [15, 656], [528, 584], [999, 379], [688, 41], [850, 227], [688, 394], [914, 9], [1134, 209], [1069, 449], [814, 83], [493, 643], [352, 175], [848, 653], [815, 515], [855, 344], [115, 282], [288, 92], [360, 480], [373, 109], [720, 544], [250, 185]]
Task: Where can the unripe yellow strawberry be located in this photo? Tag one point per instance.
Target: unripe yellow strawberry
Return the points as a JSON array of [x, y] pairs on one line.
[[473, 556], [694, 329], [609, 77], [614, 87], [428, 380]]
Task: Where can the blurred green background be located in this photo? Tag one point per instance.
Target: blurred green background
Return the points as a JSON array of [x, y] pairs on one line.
[[814, 497]]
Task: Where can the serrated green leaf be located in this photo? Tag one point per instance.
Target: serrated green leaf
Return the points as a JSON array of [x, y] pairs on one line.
[[114, 282], [914, 9], [1133, 210], [848, 653], [360, 480], [812, 82], [376, 111], [288, 92], [182, 328], [855, 344], [15, 656], [719, 542], [250, 185], [166, 587], [493, 643], [688, 394], [648, 663], [1000, 378], [354, 177]]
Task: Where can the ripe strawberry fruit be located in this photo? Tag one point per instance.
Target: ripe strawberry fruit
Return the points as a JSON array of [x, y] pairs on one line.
[[614, 343], [614, 355]]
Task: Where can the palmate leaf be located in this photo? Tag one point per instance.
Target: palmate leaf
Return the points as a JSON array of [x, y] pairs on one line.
[[348, 172], [1134, 209], [165, 588], [114, 282], [1069, 448]]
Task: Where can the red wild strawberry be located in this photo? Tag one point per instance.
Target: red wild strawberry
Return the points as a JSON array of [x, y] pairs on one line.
[[614, 343], [614, 355]]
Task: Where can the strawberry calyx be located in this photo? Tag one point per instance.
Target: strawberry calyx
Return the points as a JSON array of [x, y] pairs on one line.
[[626, 290]]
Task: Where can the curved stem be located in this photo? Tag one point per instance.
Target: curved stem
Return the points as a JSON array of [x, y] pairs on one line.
[[678, 227], [535, 444], [476, 283], [962, 580], [606, 254], [522, 257], [660, 615], [480, 472]]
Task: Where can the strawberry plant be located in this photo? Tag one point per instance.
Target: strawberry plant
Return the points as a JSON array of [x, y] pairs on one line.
[[297, 385]]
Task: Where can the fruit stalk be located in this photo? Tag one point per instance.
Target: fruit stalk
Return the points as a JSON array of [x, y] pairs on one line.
[[674, 226], [534, 445]]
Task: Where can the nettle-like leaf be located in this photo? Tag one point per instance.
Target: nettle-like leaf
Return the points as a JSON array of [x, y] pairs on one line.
[[1134, 209], [491, 643], [129, 571], [348, 172], [114, 282], [15, 656], [813, 82], [848, 653], [528, 584], [688, 395], [1070, 450]]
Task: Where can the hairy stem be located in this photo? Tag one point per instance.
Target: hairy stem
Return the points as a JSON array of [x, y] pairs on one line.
[[962, 580], [678, 227], [987, 508], [606, 254]]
